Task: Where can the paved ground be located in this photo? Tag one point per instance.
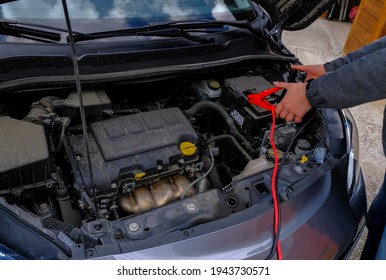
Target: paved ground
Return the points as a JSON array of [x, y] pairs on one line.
[[319, 43]]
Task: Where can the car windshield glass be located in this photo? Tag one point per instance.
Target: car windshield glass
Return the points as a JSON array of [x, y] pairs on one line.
[[100, 15]]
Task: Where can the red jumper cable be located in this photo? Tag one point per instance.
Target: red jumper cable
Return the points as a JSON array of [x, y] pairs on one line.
[[259, 99]]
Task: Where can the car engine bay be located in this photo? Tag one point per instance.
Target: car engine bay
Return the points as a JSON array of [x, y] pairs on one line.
[[166, 153]]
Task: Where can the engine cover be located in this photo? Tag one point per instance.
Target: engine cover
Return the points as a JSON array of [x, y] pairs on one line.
[[145, 144]]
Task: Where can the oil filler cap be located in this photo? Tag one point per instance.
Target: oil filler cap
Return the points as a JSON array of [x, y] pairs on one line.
[[138, 176], [188, 148]]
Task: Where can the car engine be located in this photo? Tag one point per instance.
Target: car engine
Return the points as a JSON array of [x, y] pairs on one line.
[[159, 155]]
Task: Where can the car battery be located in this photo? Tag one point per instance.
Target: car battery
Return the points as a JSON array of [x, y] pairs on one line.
[[250, 118]]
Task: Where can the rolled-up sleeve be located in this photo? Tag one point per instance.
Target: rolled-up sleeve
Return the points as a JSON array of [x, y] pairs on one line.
[[361, 81], [351, 57]]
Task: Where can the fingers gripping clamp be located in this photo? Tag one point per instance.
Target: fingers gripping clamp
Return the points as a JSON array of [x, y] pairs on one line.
[[259, 98]]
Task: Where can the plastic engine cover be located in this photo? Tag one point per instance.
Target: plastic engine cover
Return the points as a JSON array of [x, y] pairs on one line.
[[122, 146]]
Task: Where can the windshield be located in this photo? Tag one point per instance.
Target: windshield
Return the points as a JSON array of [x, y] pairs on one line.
[[101, 15]]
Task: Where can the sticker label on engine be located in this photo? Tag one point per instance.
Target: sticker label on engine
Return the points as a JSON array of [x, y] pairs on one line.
[[237, 117], [65, 239]]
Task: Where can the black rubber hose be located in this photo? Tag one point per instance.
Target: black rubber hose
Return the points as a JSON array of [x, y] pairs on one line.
[[234, 141], [224, 114], [43, 107], [213, 176], [70, 230]]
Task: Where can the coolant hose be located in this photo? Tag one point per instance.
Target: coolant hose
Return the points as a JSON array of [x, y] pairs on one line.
[[213, 176], [235, 143], [224, 114]]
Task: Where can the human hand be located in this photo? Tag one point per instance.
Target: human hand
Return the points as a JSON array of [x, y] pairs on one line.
[[295, 104], [313, 71]]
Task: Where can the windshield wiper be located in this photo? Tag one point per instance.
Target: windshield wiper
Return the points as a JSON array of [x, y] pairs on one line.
[[177, 32], [24, 30], [171, 29]]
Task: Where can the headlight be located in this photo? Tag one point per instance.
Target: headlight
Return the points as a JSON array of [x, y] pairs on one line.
[[7, 254], [352, 146]]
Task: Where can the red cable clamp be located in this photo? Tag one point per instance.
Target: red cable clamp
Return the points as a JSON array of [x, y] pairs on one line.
[[259, 98]]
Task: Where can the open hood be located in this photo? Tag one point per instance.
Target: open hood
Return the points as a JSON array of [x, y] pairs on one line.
[[6, 1], [294, 14]]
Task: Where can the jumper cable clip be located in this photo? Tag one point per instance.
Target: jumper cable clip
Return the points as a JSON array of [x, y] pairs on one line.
[[259, 98]]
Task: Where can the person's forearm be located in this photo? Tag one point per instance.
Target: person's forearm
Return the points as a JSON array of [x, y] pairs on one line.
[[363, 80], [371, 48]]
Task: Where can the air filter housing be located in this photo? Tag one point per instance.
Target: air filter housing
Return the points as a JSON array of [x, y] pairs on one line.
[[24, 161]]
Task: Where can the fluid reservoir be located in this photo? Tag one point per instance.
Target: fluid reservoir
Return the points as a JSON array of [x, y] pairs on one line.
[[302, 146], [208, 89]]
